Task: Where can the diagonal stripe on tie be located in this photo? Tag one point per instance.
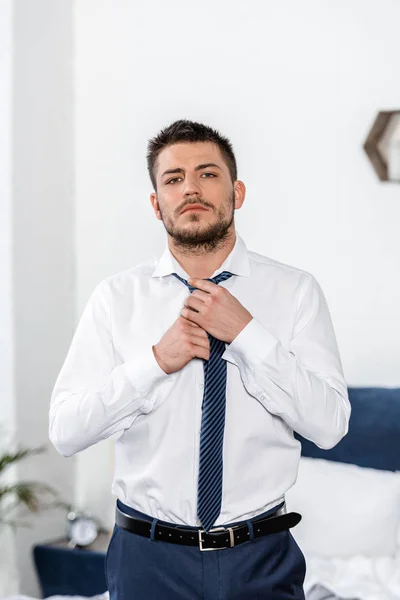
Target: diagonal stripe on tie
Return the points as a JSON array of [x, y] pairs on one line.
[[209, 488]]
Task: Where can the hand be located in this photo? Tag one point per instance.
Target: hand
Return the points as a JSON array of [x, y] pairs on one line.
[[217, 311], [183, 341]]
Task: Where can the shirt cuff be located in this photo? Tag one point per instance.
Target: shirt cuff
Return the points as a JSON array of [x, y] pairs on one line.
[[144, 372], [251, 346]]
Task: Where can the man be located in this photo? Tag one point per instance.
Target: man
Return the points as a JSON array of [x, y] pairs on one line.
[[202, 364]]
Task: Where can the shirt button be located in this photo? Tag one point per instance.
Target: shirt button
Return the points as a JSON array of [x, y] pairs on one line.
[[201, 385], [262, 398]]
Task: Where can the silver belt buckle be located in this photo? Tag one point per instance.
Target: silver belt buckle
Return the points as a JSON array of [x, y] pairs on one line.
[[231, 538], [281, 511]]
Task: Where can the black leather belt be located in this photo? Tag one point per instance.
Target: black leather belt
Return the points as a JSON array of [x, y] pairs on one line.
[[218, 538]]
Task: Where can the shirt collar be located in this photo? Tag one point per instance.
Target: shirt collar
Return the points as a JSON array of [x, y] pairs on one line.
[[237, 262]]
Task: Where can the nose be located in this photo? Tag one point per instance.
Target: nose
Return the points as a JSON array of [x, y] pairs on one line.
[[191, 187]]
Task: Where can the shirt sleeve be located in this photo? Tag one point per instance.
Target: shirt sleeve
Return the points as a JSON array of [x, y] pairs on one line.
[[304, 384], [93, 397]]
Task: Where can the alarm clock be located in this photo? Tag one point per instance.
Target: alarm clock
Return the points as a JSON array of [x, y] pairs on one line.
[[82, 529]]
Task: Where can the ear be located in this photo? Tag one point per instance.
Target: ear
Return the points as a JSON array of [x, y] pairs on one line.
[[240, 193], [155, 205]]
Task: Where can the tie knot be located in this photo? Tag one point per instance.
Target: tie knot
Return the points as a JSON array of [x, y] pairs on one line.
[[217, 279]]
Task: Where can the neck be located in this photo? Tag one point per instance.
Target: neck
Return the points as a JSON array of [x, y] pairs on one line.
[[203, 264]]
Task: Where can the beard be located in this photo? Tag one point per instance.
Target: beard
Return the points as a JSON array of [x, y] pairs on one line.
[[205, 238]]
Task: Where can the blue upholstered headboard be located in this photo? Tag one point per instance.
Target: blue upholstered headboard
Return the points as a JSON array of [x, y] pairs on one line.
[[373, 439]]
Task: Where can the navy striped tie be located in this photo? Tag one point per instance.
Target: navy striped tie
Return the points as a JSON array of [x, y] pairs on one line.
[[209, 489]]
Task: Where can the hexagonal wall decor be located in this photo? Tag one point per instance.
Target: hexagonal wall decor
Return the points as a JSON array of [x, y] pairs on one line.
[[383, 145]]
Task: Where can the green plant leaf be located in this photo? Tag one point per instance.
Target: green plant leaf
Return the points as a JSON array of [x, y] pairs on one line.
[[27, 493], [8, 459]]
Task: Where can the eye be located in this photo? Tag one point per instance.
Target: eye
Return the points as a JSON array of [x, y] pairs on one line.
[[176, 178]]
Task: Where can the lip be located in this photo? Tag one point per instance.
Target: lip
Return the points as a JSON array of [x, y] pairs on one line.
[[193, 207]]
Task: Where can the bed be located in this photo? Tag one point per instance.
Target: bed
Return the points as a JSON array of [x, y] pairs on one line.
[[349, 497]]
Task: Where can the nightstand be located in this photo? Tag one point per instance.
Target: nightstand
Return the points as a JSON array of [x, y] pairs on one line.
[[69, 571]]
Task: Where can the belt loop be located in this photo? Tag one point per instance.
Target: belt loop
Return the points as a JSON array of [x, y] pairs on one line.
[[251, 532], [153, 526]]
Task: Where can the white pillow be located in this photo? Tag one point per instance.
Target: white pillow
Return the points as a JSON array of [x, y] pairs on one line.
[[347, 510]]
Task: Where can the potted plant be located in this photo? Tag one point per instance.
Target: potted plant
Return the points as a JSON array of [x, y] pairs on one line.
[[15, 495], [23, 493]]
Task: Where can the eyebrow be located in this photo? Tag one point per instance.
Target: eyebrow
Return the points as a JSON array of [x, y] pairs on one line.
[[198, 168]]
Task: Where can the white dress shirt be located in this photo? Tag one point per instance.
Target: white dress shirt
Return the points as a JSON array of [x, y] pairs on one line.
[[284, 373]]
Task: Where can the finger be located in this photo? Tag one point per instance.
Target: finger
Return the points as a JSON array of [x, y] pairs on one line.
[[203, 284], [190, 314], [194, 303], [200, 340], [192, 324], [188, 322]]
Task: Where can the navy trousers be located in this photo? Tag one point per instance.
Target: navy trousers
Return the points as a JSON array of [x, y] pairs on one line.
[[271, 567]]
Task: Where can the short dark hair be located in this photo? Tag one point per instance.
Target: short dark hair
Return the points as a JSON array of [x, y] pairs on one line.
[[189, 131]]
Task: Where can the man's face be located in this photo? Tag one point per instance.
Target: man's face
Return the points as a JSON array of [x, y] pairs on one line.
[[195, 173]]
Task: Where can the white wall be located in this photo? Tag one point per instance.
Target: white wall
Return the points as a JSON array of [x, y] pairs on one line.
[[8, 574], [36, 252], [295, 85], [6, 353]]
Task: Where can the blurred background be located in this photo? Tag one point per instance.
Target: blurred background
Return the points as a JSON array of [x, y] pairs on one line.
[[296, 87]]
